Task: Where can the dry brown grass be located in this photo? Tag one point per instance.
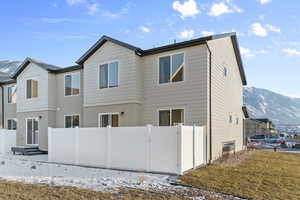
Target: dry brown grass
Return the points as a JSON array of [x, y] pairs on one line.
[[20, 191], [262, 175]]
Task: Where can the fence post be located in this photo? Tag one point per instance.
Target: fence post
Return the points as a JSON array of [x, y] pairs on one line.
[[76, 146], [194, 136], [148, 146], [108, 137], [179, 149], [204, 135], [50, 153]]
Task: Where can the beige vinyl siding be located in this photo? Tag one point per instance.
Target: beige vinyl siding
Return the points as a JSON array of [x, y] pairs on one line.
[[191, 94], [68, 105], [9, 108], [128, 89], [35, 72], [131, 117], [52, 91], [227, 96], [45, 119]]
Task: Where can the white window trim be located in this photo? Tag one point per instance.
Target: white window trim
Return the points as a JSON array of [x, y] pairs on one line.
[[35, 118], [98, 75], [184, 68], [8, 94], [31, 85], [72, 95], [15, 119], [71, 115], [170, 109], [110, 113]]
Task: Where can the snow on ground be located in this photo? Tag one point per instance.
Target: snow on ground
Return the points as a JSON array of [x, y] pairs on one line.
[[35, 169]]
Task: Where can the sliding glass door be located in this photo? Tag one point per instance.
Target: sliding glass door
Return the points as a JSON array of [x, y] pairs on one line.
[[32, 131]]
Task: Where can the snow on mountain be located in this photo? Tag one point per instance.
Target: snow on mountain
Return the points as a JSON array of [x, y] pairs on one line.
[[9, 66], [262, 103]]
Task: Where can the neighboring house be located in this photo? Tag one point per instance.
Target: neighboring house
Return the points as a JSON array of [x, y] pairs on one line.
[[259, 127], [196, 82]]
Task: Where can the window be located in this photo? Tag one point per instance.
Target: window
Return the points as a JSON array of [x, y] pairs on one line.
[[12, 94], [230, 119], [237, 120], [171, 68], [72, 121], [108, 120], [171, 117], [31, 89], [108, 75], [72, 84], [12, 124], [225, 71]]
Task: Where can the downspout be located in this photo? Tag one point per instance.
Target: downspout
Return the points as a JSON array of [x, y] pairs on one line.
[[210, 117], [2, 105]]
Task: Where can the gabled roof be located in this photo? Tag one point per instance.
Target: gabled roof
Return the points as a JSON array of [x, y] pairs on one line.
[[99, 43], [175, 46], [27, 61]]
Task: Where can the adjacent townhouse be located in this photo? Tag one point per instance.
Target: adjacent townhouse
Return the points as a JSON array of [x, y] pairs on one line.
[[196, 82]]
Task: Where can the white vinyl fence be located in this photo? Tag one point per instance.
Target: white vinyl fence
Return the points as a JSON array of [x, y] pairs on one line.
[[7, 140], [152, 149]]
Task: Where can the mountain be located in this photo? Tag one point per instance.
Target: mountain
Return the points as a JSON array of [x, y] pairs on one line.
[[9, 66], [280, 109]]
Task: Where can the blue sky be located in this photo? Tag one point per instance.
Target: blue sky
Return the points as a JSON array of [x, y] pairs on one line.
[[60, 31]]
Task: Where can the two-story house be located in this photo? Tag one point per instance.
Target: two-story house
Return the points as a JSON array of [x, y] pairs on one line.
[[196, 82]]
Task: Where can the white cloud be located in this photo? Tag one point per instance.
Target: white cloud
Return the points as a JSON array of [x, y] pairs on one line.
[[186, 9], [273, 28], [264, 1], [259, 30], [186, 34], [92, 8], [291, 51], [221, 8], [246, 52], [207, 33], [145, 29], [74, 2], [263, 52]]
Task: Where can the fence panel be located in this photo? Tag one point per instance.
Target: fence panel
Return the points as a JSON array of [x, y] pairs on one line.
[[164, 149], [154, 149], [128, 148], [92, 146], [7, 140], [62, 145]]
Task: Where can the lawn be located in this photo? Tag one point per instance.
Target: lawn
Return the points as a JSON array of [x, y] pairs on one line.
[[21, 191], [260, 175]]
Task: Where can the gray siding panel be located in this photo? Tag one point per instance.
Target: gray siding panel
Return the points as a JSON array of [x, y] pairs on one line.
[[190, 94], [227, 96], [68, 105], [128, 89]]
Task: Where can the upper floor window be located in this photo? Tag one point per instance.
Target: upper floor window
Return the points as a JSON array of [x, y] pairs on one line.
[[225, 71], [108, 75], [72, 84], [31, 89], [72, 121], [171, 117], [171, 68], [12, 94], [12, 124]]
